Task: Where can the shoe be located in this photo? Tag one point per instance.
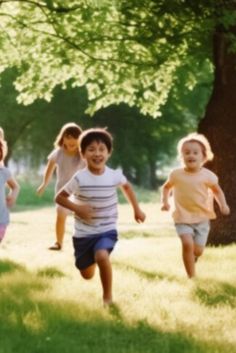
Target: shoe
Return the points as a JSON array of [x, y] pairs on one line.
[[55, 246]]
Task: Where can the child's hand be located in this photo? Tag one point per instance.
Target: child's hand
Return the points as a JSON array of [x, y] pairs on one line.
[[165, 206], [40, 190], [10, 200], [139, 216], [85, 212], [225, 210]]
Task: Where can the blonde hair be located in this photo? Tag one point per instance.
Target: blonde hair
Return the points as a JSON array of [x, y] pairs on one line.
[[198, 138]]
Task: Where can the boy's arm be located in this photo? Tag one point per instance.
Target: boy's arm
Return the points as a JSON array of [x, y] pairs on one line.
[[165, 192], [14, 191], [128, 191], [50, 167], [220, 199], [83, 211]]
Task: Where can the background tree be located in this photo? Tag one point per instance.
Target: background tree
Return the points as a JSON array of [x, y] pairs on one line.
[[134, 52], [219, 125], [146, 145]]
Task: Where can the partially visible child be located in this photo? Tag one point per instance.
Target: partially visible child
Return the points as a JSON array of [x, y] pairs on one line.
[[95, 232], [65, 160], [6, 179], [194, 188], [2, 133]]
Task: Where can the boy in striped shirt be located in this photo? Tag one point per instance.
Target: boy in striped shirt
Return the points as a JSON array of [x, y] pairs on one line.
[[95, 207]]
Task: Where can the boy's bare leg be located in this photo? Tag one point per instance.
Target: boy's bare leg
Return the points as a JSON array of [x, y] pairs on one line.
[[188, 254], [103, 261], [88, 272]]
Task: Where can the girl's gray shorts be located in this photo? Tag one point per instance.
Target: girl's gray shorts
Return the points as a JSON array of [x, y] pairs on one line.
[[199, 231]]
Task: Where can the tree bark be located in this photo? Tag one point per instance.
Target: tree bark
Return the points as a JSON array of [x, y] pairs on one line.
[[219, 126]]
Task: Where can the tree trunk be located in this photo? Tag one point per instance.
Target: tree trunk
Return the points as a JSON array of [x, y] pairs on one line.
[[219, 125]]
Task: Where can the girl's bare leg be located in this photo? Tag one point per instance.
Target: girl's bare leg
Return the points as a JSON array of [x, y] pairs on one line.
[[198, 250], [60, 227], [188, 254]]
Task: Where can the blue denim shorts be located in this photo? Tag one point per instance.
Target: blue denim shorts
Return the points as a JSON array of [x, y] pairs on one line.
[[199, 231], [85, 248]]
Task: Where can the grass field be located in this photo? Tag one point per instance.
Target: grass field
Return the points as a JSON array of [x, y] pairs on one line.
[[45, 306]]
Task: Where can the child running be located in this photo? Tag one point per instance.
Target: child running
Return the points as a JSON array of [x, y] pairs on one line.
[[193, 189], [6, 179], [1, 134], [66, 160], [95, 232]]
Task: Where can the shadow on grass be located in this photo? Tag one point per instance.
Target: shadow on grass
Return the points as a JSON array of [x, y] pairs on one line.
[[215, 294], [33, 322], [50, 272], [146, 274]]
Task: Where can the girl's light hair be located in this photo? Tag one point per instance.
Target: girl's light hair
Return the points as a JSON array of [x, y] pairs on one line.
[[203, 142]]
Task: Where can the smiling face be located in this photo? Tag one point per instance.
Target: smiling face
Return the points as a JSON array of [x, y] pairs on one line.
[[70, 144], [193, 156], [96, 155]]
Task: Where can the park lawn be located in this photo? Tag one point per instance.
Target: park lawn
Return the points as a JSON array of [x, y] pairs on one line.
[[46, 307]]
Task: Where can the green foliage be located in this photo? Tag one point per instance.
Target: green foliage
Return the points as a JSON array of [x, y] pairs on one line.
[[130, 52], [137, 151]]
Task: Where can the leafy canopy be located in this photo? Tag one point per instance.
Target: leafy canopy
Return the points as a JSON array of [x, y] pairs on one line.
[[122, 51]]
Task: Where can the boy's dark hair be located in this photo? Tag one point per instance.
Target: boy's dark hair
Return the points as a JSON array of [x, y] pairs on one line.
[[95, 134], [69, 129]]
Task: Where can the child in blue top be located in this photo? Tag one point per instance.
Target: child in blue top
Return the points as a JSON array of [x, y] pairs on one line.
[[6, 179], [95, 232]]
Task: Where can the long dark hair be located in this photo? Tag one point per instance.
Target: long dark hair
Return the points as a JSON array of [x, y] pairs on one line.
[[69, 129]]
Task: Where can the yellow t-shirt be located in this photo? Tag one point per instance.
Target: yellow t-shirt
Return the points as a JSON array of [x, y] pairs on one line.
[[193, 198]]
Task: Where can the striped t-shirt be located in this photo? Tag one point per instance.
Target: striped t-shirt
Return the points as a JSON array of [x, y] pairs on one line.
[[100, 192]]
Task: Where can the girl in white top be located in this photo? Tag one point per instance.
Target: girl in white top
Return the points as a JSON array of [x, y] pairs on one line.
[[66, 161], [193, 188]]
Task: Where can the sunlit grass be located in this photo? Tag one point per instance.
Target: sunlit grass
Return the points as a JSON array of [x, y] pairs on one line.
[[45, 306]]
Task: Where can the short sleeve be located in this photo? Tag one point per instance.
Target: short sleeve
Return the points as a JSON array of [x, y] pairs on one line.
[[212, 179], [72, 186], [171, 178], [53, 155], [120, 177], [8, 174]]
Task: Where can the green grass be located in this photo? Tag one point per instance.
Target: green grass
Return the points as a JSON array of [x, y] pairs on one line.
[[45, 306], [28, 198]]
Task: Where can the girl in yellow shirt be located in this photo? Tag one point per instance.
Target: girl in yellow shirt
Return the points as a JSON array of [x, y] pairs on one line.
[[193, 188]]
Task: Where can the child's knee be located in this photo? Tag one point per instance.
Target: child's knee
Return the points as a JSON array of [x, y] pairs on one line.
[[101, 256], [198, 250], [88, 272], [187, 242]]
